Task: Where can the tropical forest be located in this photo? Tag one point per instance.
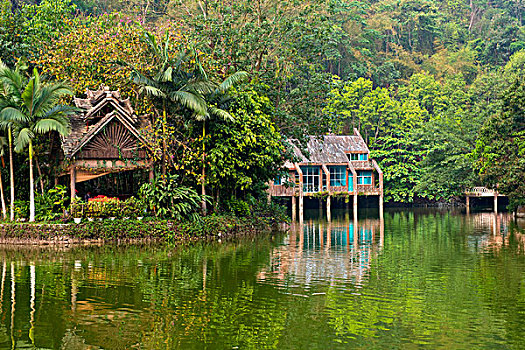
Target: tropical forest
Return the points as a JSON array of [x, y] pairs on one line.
[[262, 174]]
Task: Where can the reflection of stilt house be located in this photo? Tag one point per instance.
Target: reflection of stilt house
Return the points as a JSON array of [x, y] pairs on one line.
[[105, 138], [336, 165]]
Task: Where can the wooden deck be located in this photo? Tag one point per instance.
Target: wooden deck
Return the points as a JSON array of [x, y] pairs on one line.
[[480, 192], [284, 191]]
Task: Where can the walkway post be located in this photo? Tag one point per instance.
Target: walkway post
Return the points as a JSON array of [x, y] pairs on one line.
[[381, 206], [496, 202], [328, 209], [294, 208], [468, 204]]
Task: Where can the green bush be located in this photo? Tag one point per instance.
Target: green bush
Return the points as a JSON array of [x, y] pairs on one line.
[[167, 199], [112, 208]]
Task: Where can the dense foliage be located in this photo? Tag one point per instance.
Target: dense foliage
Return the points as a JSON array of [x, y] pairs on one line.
[[418, 78]]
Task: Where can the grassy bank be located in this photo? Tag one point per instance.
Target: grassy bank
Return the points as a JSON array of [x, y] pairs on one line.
[[148, 230]]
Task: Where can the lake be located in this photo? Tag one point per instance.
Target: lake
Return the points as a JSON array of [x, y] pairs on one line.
[[432, 279]]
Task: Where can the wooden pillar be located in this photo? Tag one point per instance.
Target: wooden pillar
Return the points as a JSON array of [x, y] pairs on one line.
[[495, 202], [468, 204], [381, 206], [294, 208], [301, 207], [328, 208], [355, 204], [151, 174], [73, 182]]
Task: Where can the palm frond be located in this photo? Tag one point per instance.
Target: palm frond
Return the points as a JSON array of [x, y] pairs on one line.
[[3, 144], [14, 115], [153, 91], [200, 86], [221, 113], [233, 80], [189, 100], [22, 139], [46, 125], [12, 80], [48, 97], [28, 95]]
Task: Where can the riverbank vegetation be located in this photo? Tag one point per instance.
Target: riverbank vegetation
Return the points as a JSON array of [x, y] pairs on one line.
[[433, 86]]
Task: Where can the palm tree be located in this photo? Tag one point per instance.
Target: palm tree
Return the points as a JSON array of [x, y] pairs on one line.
[[38, 112], [3, 143], [216, 98], [187, 90], [11, 85]]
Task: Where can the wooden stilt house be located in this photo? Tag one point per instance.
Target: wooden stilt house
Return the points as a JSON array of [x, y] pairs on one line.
[[335, 165], [105, 138]]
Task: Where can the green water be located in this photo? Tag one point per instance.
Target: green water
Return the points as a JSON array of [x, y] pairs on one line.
[[417, 279]]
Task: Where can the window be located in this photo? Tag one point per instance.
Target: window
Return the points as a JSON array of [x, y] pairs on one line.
[[357, 156], [364, 177], [353, 156], [310, 178], [337, 175], [277, 181]]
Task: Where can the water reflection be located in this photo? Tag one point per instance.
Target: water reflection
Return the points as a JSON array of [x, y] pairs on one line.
[[435, 278], [316, 250]]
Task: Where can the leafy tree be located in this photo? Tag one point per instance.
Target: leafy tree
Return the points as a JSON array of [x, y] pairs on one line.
[[245, 152], [500, 149]]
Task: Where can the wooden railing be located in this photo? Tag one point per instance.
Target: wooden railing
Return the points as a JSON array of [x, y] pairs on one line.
[[480, 192], [368, 189], [362, 164]]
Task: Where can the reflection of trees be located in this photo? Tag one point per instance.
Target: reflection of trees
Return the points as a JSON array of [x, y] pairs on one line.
[[423, 289], [121, 297]]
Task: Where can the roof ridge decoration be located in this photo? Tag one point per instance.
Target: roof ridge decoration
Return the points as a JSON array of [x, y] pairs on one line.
[[95, 101]]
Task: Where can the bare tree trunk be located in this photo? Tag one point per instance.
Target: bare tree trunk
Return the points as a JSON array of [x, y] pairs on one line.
[[12, 177], [203, 178], [31, 185], [4, 210], [164, 147]]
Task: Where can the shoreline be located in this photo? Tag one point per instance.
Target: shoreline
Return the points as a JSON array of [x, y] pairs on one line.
[[117, 232]]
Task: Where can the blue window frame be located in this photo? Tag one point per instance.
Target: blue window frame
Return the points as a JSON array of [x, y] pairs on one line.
[[310, 178], [364, 177], [363, 156], [337, 175], [277, 180]]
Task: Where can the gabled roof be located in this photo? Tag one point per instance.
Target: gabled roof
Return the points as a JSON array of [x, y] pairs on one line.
[[328, 149], [81, 132]]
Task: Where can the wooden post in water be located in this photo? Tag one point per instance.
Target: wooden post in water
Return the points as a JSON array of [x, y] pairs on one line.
[[381, 206], [301, 207], [495, 201], [355, 207], [468, 204], [328, 208], [294, 208]]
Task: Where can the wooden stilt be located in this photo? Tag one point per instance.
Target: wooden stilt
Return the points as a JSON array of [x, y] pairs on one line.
[[355, 205], [468, 204], [294, 208], [328, 208], [381, 207], [73, 182], [495, 202], [301, 207]]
